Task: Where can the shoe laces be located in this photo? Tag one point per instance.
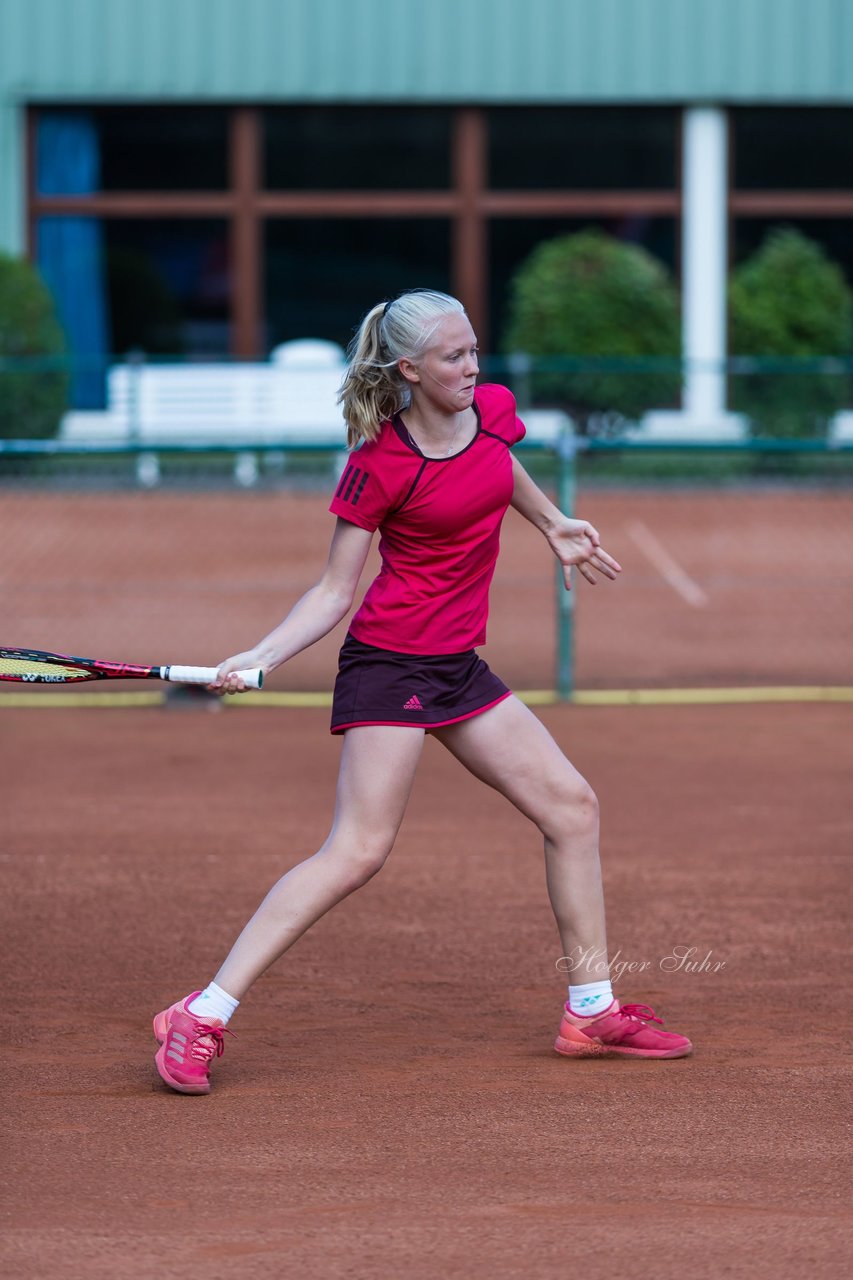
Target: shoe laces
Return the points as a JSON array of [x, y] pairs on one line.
[[639, 1011], [208, 1042]]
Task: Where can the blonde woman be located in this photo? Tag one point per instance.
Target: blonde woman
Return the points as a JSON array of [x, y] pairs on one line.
[[431, 470]]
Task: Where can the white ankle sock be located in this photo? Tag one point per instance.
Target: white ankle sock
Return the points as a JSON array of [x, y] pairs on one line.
[[214, 1003], [590, 999]]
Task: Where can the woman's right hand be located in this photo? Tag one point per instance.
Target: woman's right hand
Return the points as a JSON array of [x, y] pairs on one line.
[[227, 680]]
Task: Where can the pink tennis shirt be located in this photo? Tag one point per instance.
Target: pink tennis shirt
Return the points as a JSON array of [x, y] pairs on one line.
[[439, 521]]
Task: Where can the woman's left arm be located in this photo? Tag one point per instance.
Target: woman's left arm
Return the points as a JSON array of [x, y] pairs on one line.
[[574, 542]]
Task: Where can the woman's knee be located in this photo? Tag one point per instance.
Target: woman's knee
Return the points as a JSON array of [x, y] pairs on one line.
[[357, 858], [572, 809]]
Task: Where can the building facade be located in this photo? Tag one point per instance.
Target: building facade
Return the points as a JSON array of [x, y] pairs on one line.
[[211, 179]]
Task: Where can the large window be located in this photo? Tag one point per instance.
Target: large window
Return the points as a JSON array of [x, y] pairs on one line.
[[169, 285], [228, 229], [321, 273], [586, 148], [176, 148], [792, 148], [358, 148]]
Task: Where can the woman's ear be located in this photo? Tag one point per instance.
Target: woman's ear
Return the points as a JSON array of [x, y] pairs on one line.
[[409, 370]]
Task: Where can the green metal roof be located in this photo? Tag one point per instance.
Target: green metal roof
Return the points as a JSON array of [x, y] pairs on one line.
[[428, 50]]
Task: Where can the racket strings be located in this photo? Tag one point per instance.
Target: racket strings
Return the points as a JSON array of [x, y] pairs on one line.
[[28, 669]]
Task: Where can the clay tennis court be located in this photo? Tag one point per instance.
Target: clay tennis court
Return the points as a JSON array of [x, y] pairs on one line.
[[392, 1105], [192, 577]]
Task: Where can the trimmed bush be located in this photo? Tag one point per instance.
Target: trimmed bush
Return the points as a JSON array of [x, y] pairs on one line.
[[32, 400], [590, 295], [789, 301]]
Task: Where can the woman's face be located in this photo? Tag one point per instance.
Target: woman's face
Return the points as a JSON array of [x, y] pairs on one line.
[[446, 372]]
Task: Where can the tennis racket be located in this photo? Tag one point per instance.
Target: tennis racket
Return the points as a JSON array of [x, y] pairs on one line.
[[32, 666]]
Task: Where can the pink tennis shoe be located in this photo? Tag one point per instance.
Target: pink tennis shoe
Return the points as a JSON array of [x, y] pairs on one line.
[[188, 1045], [625, 1031]]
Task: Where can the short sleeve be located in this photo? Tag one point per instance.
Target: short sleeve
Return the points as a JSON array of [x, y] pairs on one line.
[[498, 406], [516, 428], [361, 497]]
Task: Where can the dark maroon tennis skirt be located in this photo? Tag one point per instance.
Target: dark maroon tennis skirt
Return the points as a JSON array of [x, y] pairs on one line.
[[377, 686]]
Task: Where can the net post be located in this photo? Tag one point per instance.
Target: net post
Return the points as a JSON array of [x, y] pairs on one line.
[[147, 462], [135, 364], [567, 447]]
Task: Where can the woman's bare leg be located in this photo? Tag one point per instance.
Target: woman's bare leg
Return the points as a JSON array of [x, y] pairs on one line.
[[510, 750], [377, 769]]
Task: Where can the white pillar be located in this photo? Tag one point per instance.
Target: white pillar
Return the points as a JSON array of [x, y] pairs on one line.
[[704, 265], [704, 262], [12, 198]]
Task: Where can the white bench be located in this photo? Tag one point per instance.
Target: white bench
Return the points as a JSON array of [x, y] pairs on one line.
[[544, 426], [292, 400], [671, 426], [841, 429]]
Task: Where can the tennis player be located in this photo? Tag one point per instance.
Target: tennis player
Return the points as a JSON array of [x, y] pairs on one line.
[[431, 469]]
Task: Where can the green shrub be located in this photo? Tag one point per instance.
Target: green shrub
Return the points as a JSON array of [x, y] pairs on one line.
[[790, 302], [32, 399], [587, 295]]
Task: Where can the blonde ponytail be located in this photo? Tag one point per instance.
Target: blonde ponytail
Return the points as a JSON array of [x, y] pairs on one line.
[[373, 388]]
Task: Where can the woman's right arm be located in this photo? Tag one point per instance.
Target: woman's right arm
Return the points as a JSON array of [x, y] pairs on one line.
[[313, 616]]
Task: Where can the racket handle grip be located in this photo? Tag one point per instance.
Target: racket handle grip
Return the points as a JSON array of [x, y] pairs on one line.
[[253, 679]]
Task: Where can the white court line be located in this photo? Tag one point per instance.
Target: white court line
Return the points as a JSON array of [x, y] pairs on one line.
[[666, 565]]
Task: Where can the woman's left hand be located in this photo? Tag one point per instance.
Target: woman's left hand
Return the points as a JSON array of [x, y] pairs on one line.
[[576, 542]]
